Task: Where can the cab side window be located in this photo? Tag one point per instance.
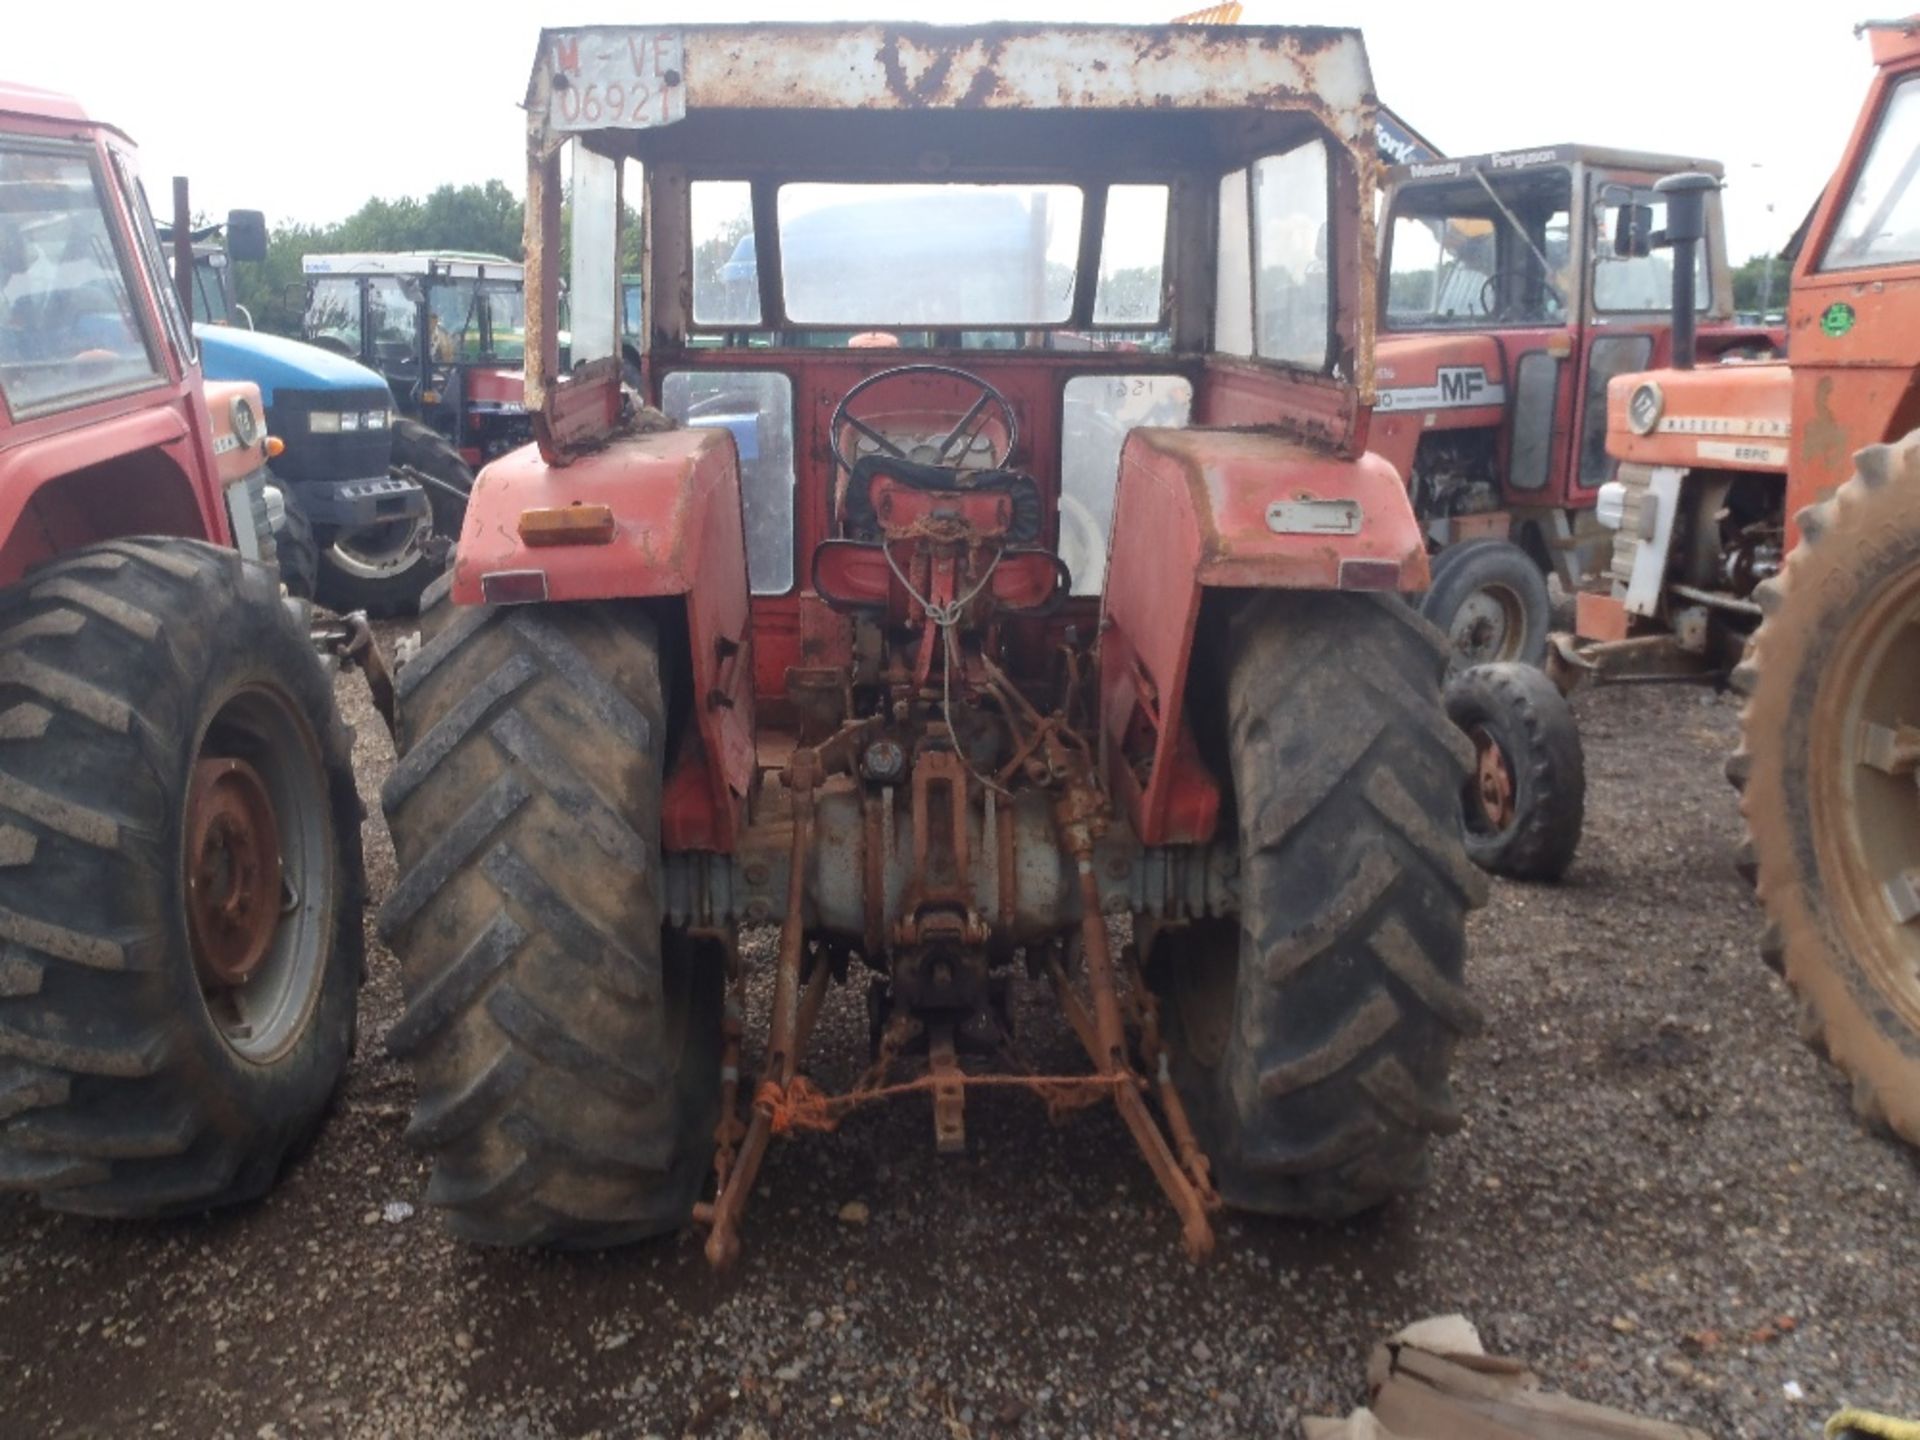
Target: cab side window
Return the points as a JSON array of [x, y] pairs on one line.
[[333, 314], [70, 330]]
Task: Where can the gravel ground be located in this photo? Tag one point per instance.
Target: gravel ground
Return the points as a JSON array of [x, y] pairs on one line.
[[1660, 1200]]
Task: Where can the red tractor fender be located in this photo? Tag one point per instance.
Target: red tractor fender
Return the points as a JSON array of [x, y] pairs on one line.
[[1223, 509], [673, 497]]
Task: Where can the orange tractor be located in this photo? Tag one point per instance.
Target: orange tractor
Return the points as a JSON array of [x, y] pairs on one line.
[[1768, 525], [787, 634]]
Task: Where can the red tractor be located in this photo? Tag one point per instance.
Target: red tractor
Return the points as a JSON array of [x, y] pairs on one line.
[[786, 635], [180, 886], [1505, 309]]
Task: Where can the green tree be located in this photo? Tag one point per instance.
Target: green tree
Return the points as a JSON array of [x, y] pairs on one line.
[[1751, 289], [485, 218]]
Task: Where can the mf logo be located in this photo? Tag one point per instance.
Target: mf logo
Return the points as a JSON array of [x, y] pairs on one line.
[[1461, 384]]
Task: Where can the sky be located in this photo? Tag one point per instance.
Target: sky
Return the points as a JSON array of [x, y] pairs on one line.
[[306, 110]]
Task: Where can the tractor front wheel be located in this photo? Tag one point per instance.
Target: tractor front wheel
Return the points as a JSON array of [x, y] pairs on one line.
[[384, 569], [1526, 801], [1491, 600], [1829, 767], [565, 1044], [1312, 1039]]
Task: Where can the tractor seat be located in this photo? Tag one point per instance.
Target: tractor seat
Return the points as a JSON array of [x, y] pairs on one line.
[[860, 518]]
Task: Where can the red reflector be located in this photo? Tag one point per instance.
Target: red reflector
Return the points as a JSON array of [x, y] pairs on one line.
[[1369, 574], [574, 524], [513, 587]]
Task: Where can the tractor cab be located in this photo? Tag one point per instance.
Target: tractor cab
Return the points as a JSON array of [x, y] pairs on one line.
[[446, 330], [979, 541], [1506, 307]]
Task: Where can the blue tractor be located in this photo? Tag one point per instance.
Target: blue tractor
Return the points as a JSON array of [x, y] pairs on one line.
[[360, 518]]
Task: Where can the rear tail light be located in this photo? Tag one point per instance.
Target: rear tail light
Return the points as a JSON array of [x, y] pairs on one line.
[[1369, 574], [513, 587]]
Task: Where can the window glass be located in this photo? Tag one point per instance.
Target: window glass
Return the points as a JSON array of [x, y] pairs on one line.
[[936, 255], [1881, 222], [1640, 283], [1233, 272], [506, 311], [1098, 412], [392, 315], [1439, 269], [756, 408], [466, 320], [209, 294], [1291, 282], [333, 312], [726, 283], [1466, 255], [69, 328], [1133, 249], [159, 272]]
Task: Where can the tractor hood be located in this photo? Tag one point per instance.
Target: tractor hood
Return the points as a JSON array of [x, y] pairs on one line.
[[274, 363], [1449, 371], [1736, 416]]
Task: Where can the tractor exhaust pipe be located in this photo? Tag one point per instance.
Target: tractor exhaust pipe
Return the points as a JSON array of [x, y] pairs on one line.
[[1686, 197]]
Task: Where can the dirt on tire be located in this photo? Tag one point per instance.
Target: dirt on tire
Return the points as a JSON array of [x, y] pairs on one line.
[[1314, 1037], [565, 1050], [120, 1094]]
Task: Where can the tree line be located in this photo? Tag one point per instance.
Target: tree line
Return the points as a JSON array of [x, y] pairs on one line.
[[487, 218]]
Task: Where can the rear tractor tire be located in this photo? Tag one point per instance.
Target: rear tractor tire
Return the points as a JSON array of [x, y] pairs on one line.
[[1313, 1036], [180, 886], [1491, 601], [1526, 801], [1829, 767], [565, 1044]]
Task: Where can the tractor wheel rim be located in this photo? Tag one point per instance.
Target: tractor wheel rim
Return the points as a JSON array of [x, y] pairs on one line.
[[233, 871], [375, 552], [257, 864], [1488, 626], [1865, 774], [1492, 788]]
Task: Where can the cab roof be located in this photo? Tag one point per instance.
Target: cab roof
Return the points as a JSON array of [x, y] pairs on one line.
[[39, 104], [29, 102], [630, 78], [1541, 157], [460, 264]]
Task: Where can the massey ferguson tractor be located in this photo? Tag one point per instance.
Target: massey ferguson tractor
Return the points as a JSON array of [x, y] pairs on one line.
[[849, 687], [1769, 522], [1505, 310], [180, 882]]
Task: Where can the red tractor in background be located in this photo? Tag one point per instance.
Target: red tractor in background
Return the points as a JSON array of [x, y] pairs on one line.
[[1767, 526], [1505, 310], [847, 684], [180, 882]]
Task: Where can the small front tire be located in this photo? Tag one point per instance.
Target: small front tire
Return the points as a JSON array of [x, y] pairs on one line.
[[1490, 600], [1525, 804]]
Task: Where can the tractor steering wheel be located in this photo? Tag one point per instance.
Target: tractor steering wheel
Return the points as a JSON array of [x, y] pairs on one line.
[[955, 443], [1495, 284]]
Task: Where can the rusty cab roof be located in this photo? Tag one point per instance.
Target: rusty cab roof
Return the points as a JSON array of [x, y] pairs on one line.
[[1540, 157], [708, 94]]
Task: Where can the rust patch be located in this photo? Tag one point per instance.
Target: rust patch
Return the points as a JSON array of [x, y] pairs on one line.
[[985, 83]]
